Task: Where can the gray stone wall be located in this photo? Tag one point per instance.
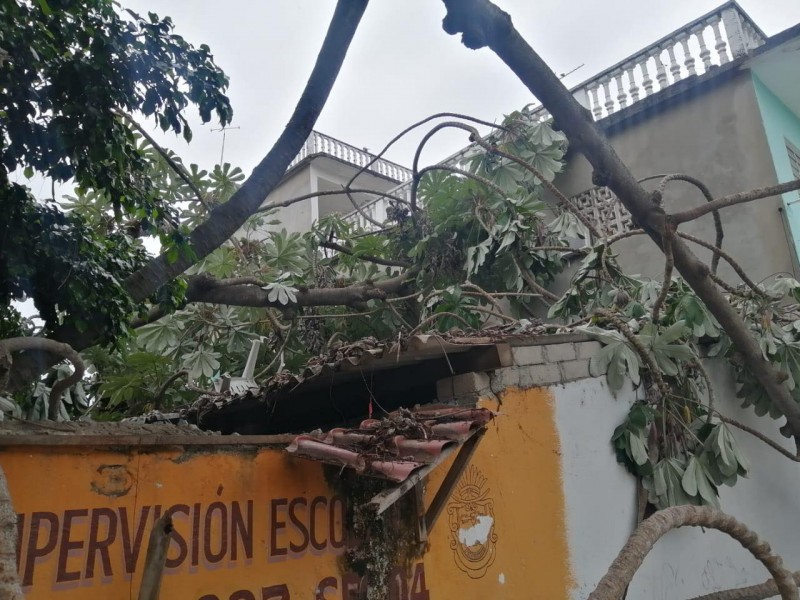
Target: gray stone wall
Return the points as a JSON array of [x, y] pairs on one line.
[[546, 361], [714, 133]]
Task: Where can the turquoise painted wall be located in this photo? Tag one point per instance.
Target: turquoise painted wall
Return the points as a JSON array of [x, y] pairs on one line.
[[781, 124]]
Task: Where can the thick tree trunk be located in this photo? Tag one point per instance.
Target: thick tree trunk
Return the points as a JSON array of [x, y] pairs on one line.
[[227, 218], [9, 581]]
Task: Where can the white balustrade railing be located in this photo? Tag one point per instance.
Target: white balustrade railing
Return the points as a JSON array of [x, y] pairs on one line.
[[715, 39], [318, 143]]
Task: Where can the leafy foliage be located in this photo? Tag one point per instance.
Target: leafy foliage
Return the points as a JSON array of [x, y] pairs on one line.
[[71, 72], [673, 440]]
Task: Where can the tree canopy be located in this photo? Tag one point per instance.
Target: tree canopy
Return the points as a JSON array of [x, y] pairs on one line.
[[476, 245]]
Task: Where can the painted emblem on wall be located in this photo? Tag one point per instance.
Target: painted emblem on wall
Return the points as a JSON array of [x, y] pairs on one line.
[[472, 533]]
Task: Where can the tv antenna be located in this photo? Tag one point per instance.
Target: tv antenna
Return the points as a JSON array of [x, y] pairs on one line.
[[568, 73], [224, 131]]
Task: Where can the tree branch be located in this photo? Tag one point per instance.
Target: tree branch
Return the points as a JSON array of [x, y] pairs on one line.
[[733, 199], [177, 168], [159, 398], [484, 24], [768, 589], [204, 288], [290, 201], [718, 252], [38, 346], [530, 279], [755, 433], [386, 262], [414, 126], [665, 179], [227, 218]]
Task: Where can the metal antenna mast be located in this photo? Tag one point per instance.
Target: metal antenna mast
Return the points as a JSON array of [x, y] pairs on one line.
[[224, 131]]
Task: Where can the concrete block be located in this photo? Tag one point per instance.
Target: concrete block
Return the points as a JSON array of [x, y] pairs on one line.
[[528, 355], [587, 349], [559, 352], [505, 378], [575, 369], [540, 375], [467, 386]]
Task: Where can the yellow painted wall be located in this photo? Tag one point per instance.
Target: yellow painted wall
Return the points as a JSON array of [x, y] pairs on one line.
[[516, 476], [261, 525]]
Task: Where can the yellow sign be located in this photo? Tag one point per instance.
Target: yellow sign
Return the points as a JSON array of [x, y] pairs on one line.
[[257, 524]]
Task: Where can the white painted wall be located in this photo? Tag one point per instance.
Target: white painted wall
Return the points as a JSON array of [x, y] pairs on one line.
[[600, 501]]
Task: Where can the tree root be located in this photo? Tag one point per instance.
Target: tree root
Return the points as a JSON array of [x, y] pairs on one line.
[[630, 558], [768, 589]]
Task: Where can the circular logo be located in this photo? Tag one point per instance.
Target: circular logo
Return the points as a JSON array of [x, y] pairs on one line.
[[471, 516]]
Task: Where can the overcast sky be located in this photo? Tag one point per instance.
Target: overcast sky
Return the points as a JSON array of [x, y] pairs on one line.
[[402, 67]]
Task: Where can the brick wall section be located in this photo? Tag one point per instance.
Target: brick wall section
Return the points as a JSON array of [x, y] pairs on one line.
[[544, 361]]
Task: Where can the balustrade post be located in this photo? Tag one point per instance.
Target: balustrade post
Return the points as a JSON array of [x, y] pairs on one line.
[[661, 71], [594, 99], [622, 96], [647, 81], [674, 65], [720, 44], [609, 104], [633, 90], [705, 53], [735, 31], [688, 59]]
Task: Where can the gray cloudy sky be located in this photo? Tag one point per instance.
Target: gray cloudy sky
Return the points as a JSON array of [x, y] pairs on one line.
[[402, 67]]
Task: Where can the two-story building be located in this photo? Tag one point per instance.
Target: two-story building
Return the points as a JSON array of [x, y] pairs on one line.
[[716, 99]]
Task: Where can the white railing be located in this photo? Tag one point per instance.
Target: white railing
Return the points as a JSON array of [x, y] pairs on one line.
[[318, 143], [715, 39]]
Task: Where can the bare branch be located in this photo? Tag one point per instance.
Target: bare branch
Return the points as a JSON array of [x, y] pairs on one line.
[[728, 258], [621, 236], [733, 199], [386, 262], [153, 314], [296, 199], [665, 179], [173, 164], [39, 346], [159, 397], [414, 126], [669, 264], [439, 315], [530, 279], [754, 432], [156, 558]]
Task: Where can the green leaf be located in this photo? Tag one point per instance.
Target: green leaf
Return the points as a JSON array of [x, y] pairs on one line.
[[45, 8], [690, 477]]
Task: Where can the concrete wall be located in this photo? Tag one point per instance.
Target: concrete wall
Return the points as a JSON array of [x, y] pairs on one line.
[[599, 494], [716, 134], [320, 173], [780, 125], [296, 217]]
